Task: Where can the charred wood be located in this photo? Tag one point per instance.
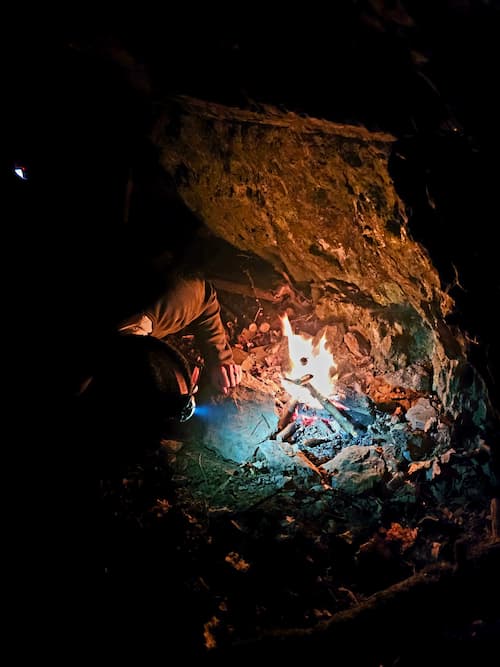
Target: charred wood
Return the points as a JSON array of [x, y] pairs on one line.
[[287, 432], [341, 420], [287, 414]]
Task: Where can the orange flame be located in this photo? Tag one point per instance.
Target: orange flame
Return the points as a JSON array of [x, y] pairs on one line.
[[307, 358]]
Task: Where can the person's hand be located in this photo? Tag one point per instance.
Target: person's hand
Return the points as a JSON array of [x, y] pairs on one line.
[[225, 376]]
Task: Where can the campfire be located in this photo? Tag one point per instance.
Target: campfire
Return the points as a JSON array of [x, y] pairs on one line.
[[311, 380], [317, 412]]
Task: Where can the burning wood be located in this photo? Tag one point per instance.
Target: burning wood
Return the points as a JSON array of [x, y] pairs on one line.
[[286, 424], [316, 361], [341, 420], [286, 432], [287, 414]]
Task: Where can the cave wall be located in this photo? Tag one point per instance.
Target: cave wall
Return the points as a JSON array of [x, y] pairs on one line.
[[312, 196], [316, 200]]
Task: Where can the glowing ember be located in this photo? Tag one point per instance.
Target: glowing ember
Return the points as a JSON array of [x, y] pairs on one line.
[[307, 359]]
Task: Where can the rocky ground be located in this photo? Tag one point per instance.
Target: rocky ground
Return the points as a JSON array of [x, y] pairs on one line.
[[255, 530]]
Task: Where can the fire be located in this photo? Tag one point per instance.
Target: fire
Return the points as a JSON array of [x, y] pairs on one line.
[[307, 359]]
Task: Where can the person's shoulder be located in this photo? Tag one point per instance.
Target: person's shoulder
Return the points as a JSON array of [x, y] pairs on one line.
[[179, 280], [189, 286]]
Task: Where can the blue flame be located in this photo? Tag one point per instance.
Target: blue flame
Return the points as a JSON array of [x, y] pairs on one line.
[[202, 411]]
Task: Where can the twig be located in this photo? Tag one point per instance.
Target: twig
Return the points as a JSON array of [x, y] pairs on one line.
[[257, 424], [342, 421], [455, 282], [202, 469], [302, 457], [252, 284], [495, 519], [287, 413], [221, 487], [350, 594], [259, 312], [288, 431], [313, 442], [244, 290], [267, 423]]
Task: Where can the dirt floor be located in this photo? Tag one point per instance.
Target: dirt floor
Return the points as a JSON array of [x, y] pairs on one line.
[[296, 543], [234, 552]]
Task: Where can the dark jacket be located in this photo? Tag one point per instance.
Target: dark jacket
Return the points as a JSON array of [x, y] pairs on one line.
[[190, 303]]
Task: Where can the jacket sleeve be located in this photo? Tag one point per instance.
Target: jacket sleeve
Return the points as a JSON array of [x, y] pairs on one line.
[[210, 332], [140, 325]]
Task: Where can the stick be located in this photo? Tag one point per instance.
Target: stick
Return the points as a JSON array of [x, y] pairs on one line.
[[495, 519], [287, 431], [342, 421], [244, 290], [287, 414]]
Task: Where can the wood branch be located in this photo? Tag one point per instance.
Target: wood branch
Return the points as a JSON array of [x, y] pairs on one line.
[[288, 431], [302, 457], [406, 616], [244, 290], [342, 421], [314, 442], [495, 519], [287, 414], [361, 411]]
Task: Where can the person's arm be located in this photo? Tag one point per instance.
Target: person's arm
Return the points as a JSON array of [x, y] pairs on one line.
[[191, 303], [212, 339]]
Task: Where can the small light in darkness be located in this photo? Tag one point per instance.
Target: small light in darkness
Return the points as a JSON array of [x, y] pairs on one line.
[[21, 172]]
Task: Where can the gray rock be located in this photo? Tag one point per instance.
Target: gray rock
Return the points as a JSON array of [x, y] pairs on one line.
[[276, 460], [274, 457], [422, 416], [356, 469], [235, 428], [414, 376], [405, 494]]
